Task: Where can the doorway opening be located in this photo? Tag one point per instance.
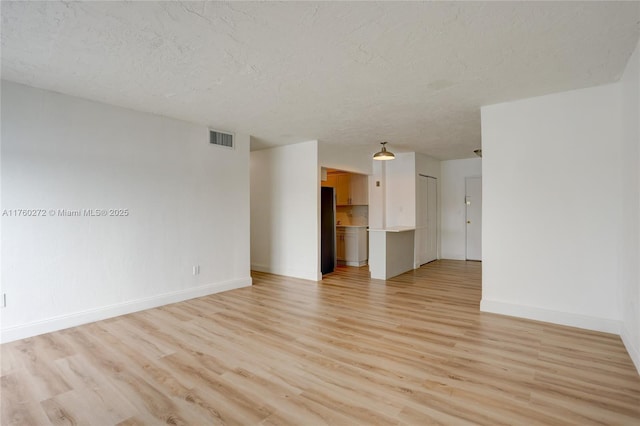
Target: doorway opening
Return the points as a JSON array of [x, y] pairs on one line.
[[344, 219]]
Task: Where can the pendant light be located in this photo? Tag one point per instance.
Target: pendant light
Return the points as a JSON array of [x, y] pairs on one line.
[[384, 154]]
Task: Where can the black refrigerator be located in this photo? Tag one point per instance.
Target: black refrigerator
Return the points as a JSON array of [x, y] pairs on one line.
[[327, 230]]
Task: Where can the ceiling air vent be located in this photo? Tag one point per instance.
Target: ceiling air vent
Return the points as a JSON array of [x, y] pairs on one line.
[[221, 138]]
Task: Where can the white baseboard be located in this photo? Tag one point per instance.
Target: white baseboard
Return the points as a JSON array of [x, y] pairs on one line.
[[556, 317], [285, 272], [83, 317], [634, 351]]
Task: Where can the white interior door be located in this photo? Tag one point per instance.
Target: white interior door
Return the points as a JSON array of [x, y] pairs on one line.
[[426, 220], [473, 201]]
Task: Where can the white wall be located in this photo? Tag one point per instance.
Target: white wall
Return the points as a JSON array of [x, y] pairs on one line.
[[453, 210], [551, 205], [188, 205], [285, 200], [393, 203], [350, 158], [629, 247], [377, 213], [428, 166], [400, 193]]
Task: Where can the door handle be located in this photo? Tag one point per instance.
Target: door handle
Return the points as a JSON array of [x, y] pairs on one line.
[[468, 221]]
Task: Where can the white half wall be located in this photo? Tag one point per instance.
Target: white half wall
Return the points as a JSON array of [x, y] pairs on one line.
[[187, 204], [629, 249], [285, 213], [453, 210], [551, 206]]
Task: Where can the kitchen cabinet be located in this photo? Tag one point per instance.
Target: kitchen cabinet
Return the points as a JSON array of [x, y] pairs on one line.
[[351, 245], [343, 190], [340, 256], [331, 181], [359, 190], [351, 189]]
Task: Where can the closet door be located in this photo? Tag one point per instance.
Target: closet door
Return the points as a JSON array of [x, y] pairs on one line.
[[426, 220]]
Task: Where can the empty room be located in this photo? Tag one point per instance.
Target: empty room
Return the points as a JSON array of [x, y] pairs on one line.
[[319, 213]]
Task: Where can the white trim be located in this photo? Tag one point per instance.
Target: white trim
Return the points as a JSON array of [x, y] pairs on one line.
[[90, 315], [634, 352], [605, 325]]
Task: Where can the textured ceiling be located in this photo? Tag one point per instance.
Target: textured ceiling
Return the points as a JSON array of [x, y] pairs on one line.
[[414, 74]]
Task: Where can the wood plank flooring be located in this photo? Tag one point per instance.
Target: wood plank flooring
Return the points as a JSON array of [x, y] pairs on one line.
[[349, 350]]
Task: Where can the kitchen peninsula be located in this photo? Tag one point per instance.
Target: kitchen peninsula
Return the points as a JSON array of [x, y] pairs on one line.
[[390, 251]]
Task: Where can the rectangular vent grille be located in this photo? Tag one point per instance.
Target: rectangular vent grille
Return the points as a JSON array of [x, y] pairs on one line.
[[220, 138]]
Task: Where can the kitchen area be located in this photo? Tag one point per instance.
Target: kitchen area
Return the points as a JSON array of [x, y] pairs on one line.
[[345, 219]]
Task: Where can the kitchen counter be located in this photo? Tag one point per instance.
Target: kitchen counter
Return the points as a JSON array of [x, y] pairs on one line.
[[393, 229]]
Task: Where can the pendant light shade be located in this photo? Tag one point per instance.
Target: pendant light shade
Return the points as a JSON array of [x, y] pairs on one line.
[[384, 154]]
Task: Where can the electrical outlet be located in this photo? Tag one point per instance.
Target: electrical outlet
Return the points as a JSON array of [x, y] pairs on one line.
[[196, 269], [4, 300]]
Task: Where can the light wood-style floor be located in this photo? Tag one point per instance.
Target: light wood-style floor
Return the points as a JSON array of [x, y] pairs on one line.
[[346, 351]]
